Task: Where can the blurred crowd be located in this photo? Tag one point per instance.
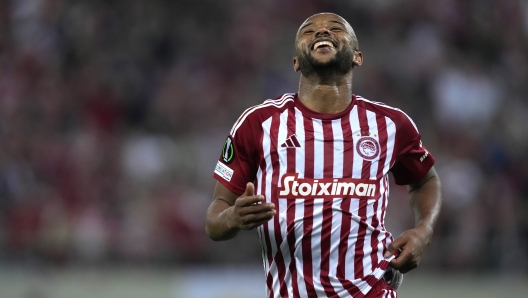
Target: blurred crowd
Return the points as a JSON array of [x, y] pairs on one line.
[[113, 113]]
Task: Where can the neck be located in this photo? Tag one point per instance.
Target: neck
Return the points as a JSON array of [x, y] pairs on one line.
[[326, 95]]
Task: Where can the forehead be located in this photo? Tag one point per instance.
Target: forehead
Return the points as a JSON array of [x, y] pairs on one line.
[[323, 18]]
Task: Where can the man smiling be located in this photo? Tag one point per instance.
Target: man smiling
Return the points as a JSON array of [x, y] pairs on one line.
[[310, 170]]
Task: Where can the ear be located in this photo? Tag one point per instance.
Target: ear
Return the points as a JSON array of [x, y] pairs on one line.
[[358, 58], [295, 64]]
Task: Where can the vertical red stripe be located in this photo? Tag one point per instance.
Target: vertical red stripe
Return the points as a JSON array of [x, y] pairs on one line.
[[326, 229], [279, 258], [308, 210], [362, 210], [382, 140], [290, 213]]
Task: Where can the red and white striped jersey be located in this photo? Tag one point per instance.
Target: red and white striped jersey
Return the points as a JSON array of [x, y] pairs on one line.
[[327, 176]]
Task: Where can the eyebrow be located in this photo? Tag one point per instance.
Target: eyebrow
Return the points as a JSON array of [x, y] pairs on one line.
[[304, 26], [338, 22]]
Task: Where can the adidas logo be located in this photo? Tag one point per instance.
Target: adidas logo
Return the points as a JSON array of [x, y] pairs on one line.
[[291, 142]]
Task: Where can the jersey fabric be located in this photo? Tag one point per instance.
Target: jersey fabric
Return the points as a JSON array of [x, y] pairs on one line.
[[327, 175]]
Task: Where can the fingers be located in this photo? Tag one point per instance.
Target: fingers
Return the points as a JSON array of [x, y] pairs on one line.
[[254, 220], [409, 253], [404, 263], [249, 201], [402, 259], [249, 210], [255, 215], [248, 197], [250, 190], [393, 247], [257, 208]]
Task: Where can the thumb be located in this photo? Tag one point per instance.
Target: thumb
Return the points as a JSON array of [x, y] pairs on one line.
[[250, 190], [392, 248]]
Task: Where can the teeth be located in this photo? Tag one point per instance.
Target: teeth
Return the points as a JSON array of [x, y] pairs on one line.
[[323, 43]]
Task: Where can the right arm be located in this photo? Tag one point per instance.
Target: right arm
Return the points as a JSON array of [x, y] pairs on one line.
[[229, 213]]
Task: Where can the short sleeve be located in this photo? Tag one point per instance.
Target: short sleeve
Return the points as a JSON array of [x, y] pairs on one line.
[[238, 161], [412, 160]]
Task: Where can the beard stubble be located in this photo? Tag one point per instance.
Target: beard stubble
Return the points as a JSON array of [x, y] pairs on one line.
[[340, 65]]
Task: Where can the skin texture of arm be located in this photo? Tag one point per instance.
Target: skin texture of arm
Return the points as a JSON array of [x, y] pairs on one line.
[[425, 200], [229, 213]]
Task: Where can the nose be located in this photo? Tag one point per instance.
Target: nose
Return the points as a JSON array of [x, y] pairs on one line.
[[322, 31]]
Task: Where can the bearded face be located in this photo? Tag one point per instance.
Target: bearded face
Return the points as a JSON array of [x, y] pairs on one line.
[[339, 65], [326, 47]]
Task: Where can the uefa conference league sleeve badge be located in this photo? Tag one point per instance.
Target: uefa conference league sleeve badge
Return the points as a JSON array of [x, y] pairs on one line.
[[228, 151]]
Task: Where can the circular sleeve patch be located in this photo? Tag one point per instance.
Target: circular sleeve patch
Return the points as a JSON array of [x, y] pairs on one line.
[[228, 151]]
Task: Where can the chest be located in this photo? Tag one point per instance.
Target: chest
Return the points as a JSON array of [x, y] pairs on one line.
[[316, 148]]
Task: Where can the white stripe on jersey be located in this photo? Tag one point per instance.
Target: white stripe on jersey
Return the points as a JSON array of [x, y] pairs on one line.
[[354, 204], [301, 137], [354, 229], [318, 148], [336, 204], [318, 154], [354, 123], [270, 102], [283, 135], [390, 126], [316, 247]]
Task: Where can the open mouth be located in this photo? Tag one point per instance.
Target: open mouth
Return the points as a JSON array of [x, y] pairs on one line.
[[322, 45]]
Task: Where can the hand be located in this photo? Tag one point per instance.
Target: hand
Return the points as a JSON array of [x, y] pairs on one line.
[[411, 245], [248, 212]]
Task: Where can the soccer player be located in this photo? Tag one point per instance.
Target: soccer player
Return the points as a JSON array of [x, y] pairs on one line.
[[310, 171]]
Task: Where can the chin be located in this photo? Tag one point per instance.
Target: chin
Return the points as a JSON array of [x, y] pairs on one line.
[[324, 58], [325, 64]]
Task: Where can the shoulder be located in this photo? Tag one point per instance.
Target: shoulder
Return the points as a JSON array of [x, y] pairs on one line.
[[261, 112], [398, 116]]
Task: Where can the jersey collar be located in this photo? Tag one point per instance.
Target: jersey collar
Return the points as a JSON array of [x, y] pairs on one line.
[[323, 116]]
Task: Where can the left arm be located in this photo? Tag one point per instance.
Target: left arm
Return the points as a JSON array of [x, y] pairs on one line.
[[425, 200]]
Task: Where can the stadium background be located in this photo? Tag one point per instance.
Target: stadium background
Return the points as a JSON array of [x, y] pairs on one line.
[[112, 114]]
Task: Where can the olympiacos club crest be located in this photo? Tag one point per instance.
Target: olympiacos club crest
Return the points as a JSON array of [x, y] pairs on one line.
[[368, 148]]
